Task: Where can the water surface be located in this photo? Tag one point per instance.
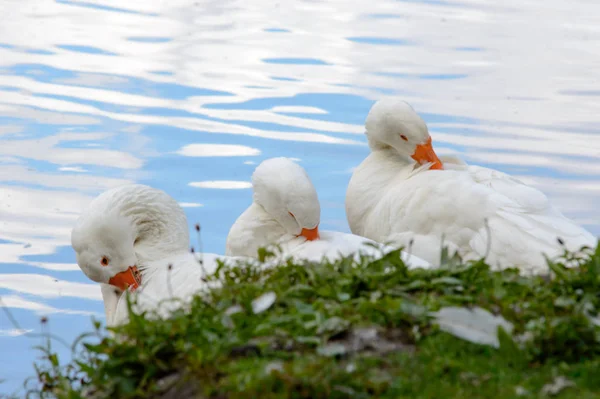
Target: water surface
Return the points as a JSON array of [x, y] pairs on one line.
[[188, 96]]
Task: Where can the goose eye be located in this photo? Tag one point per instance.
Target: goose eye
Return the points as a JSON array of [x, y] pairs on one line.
[[403, 137], [104, 261]]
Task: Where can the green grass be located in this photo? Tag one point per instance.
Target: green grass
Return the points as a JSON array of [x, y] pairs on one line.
[[349, 330]]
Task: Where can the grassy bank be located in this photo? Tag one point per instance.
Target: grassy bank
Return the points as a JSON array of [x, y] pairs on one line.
[[368, 329]]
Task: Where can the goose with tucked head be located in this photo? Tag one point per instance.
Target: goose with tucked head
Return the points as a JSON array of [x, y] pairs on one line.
[[136, 238], [286, 212], [285, 206], [404, 192]]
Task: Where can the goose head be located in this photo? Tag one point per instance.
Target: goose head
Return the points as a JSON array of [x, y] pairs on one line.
[[123, 229], [393, 123], [104, 248], [284, 190]]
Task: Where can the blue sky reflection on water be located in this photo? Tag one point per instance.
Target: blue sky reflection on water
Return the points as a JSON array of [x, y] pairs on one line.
[[189, 96]]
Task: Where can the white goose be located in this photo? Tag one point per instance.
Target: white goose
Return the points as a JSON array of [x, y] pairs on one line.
[[402, 191], [127, 238], [286, 212]]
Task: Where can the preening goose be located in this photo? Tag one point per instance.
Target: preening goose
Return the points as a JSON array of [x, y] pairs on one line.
[[136, 237]]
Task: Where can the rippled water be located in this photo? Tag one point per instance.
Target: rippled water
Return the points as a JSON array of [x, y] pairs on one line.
[[188, 96]]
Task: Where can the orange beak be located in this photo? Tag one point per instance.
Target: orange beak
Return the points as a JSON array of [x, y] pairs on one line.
[[310, 234], [424, 153], [130, 278]]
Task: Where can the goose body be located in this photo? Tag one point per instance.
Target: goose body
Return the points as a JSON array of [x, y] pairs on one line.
[[402, 192], [165, 289], [285, 216]]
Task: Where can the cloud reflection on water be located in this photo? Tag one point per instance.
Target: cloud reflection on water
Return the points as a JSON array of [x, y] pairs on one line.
[[49, 287], [189, 96]]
